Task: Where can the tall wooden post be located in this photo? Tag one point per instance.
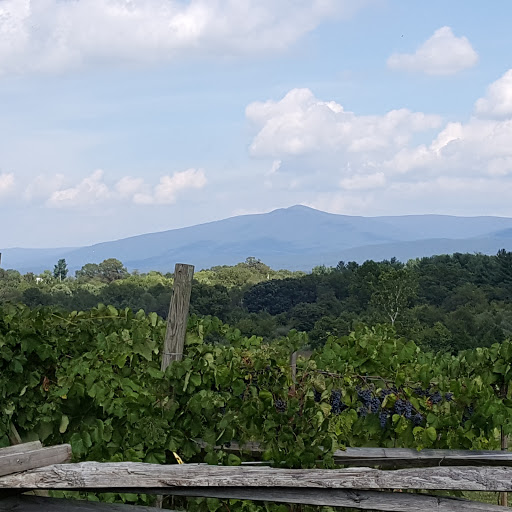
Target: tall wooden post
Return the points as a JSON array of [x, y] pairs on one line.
[[504, 446], [293, 367], [177, 323], [178, 315]]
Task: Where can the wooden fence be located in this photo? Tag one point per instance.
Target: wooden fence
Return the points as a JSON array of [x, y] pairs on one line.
[[31, 467]]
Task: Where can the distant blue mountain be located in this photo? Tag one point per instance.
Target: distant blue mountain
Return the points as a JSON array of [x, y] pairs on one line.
[[295, 238]]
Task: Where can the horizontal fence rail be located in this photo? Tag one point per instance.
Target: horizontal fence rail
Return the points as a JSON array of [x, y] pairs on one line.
[[138, 475], [37, 504], [362, 500], [395, 457], [28, 456]]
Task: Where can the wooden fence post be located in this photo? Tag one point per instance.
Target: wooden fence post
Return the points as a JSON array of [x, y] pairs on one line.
[[293, 367], [177, 323], [178, 315], [504, 447]]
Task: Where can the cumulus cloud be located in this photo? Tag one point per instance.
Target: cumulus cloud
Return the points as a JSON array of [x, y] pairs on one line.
[[93, 189], [89, 191], [373, 165], [43, 186], [6, 183], [497, 102], [168, 188], [301, 124], [479, 146], [128, 187], [442, 54], [51, 35]]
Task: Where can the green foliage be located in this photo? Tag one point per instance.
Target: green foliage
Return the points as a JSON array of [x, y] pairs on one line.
[[445, 303], [60, 271], [393, 292], [93, 379]]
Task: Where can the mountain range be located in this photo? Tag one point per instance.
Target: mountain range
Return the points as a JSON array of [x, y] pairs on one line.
[[296, 238]]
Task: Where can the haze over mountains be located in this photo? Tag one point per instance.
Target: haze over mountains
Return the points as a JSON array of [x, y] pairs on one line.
[[297, 238]]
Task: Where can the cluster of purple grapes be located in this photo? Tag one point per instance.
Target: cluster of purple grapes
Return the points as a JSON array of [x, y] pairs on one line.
[[468, 412], [434, 396], [280, 405], [404, 408], [337, 406], [373, 404]]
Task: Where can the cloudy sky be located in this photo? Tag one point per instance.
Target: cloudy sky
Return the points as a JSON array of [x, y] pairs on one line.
[[120, 117]]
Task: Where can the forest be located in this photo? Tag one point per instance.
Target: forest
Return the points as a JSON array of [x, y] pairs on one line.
[[444, 303]]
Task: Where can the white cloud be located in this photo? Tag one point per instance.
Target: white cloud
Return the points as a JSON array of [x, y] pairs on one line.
[[41, 187], [276, 165], [128, 187], [442, 54], [89, 191], [168, 188], [497, 102], [372, 165], [6, 183], [93, 189], [300, 124], [478, 147], [52, 35]]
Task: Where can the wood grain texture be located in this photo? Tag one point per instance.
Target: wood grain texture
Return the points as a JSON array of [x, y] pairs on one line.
[[178, 315], [15, 462], [363, 500], [397, 457], [94, 475], [20, 448], [38, 504]]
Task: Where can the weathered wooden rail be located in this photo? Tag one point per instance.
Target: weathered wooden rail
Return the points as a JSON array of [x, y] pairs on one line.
[[395, 457], [140, 476], [37, 504], [30, 467]]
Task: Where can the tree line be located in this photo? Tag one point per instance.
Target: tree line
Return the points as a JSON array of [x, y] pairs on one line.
[[445, 303]]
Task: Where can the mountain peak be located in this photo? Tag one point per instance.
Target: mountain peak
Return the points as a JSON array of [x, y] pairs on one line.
[[297, 237]]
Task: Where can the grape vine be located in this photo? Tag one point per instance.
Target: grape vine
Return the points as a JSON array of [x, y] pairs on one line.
[[93, 379]]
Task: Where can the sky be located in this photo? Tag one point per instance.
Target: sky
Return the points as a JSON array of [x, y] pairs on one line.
[[122, 117]]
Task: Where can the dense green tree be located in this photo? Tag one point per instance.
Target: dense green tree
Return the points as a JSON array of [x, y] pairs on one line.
[[393, 292], [88, 271], [60, 270], [112, 269], [210, 300]]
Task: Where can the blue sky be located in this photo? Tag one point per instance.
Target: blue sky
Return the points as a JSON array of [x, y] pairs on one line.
[[121, 117]]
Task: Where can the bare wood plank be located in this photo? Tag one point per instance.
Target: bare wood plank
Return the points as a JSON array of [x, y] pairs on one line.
[[39, 504], [20, 448], [26, 460], [365, 500], [396, 457], [178, 315], [94, 475]]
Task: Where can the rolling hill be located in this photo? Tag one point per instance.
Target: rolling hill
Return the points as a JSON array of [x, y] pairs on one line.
[[295, 238]]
